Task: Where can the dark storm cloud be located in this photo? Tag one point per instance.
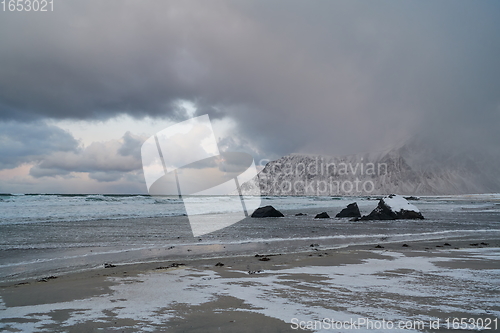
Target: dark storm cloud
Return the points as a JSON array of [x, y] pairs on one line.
[[311, 76]]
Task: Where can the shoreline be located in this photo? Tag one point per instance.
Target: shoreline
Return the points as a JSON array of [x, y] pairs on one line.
[[455, 243], [194, 251], [44, 249], [118, 292]]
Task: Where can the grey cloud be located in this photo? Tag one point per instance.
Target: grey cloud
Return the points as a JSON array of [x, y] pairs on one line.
[[38, 172], [131, 145], [317, 76], [239, 144], [28, 142], [103, 161], [105, 176]]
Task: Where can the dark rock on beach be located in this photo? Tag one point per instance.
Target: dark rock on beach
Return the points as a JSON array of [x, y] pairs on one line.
[[255, 272], [173, 265], [267, 211], [323, 215], [47, 278], [352, 210]]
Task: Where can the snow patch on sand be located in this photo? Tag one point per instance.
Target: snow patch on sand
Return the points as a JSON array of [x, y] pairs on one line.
[[392, 287]]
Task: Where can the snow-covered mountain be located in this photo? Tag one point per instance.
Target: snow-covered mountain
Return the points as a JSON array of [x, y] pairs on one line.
[[412, 169]]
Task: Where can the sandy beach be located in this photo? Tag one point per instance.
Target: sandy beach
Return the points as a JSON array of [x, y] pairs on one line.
[[412, 286]]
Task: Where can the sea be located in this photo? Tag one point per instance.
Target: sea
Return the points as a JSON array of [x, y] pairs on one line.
[[50, 234]]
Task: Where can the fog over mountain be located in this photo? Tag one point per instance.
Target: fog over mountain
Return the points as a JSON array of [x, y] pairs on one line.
[[415, 168]]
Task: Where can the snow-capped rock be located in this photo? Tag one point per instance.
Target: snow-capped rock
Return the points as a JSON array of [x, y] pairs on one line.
[[394, 207]]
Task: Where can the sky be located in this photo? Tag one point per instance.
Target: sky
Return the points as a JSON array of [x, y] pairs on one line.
[[83, 86]]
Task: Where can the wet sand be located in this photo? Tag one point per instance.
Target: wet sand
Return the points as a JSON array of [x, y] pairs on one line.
[[411, 282]]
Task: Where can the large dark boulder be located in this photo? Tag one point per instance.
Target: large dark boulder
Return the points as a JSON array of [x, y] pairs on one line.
[[352, 210], [382, 212], [323, 215], [267, 211], [393, 207]]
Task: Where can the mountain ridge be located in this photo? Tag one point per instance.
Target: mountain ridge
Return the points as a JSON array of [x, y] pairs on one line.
[[410, 169]]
